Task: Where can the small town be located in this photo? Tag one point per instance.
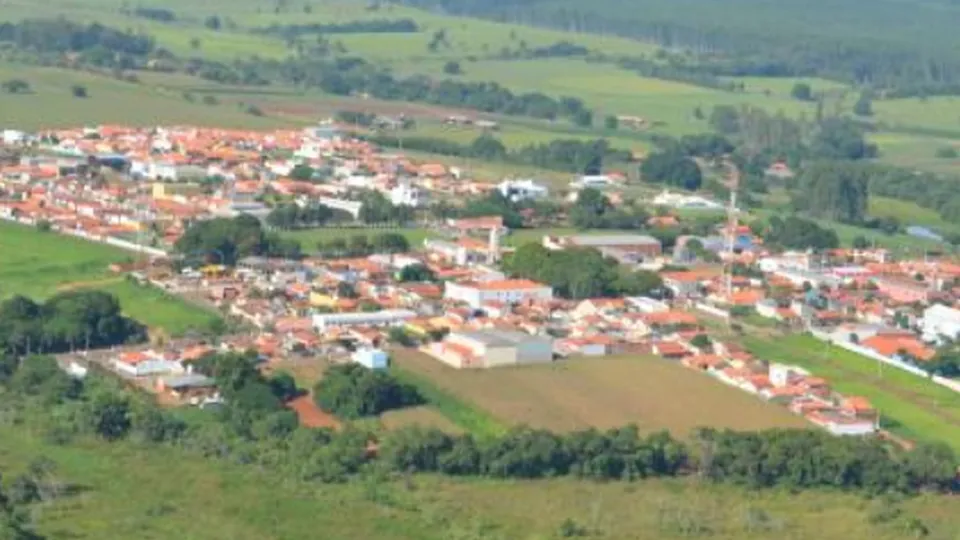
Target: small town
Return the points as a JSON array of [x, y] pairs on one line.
[[461, 295]]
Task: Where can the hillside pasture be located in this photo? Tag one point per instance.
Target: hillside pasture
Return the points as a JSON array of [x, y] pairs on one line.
[[576, 394]]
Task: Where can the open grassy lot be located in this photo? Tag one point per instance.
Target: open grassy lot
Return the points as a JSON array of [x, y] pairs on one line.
[[109, 101], [128, 491], [909, 405], [604, 392], [423, 416], [39, 264]]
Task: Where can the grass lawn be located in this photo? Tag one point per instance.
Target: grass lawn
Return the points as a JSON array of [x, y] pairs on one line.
[[909, 405], [129, 491], [39, 264], [309, 238]]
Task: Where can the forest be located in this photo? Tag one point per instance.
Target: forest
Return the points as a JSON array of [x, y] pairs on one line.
[[226, 240], [855, 41]]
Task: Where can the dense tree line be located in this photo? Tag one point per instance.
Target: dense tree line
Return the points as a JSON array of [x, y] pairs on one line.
[[66, 321], [377, 209], [361, 245], [355, 76], [926, 189], [94, 41], [579, 272], [794, 232], [569, 155], [370, 26], [352, 391], [593, 210], [751, 38], [225, 240], [672, 167], [155, 14], [253, 429]]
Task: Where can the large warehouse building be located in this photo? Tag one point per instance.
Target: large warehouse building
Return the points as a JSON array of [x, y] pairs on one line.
[[492, 348]]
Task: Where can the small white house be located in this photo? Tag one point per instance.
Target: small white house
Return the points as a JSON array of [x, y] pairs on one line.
[[517, 190], [371, 358]]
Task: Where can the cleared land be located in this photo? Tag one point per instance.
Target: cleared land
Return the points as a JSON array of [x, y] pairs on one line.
[[909, 406], [39, 264], [128, 491], [604, 392]]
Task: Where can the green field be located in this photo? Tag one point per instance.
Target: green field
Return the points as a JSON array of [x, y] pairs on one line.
[[132, 491], [309, 238], [910, 406], [39, 264]]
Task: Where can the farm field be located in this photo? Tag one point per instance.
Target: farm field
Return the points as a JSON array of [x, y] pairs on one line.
[[39, 264], [128, 491], [603, 393], [909, 405]]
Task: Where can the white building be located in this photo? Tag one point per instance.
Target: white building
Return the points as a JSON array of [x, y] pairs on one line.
[[143, 364], [517, 190], [371, 358], [389, 317], [492, 348], [508, 290], [690, 202], [939, 320], [592, 181], [644, 304], [407, 195], [350, 207]]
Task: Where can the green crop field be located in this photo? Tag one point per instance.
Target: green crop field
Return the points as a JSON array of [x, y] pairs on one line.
[[309, 238], [126, 490], [39, 264], [909, 405]]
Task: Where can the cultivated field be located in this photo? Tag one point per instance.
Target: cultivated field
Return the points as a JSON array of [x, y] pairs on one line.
[[604, 392], [909, 405], [39, 264], [128, 491]]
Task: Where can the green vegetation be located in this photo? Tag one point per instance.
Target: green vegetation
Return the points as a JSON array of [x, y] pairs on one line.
[[353, 391], [326, 237], [41, 264], [909, 405], [469, 418], [225, 241]]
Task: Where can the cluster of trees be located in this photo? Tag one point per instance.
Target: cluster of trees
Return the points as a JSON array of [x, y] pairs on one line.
[[370, 26], [672, 167], [560, 49], [833, 190], [353, 391], [294, 216], [568, 155], [926, 189], [593, 210], [155, 14], [15, 86], [377, 209], [946, 363], [66, 321], [226, 240], [361, 245], [796, 233], [93, 43], [580, 272]]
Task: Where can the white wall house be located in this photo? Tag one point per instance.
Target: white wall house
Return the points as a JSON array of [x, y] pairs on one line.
[[517, 190], [939, 320], [390, 317], [408, 195], [371, 358], [508, 290]]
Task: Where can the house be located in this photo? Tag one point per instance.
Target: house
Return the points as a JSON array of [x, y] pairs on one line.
[[492, 348], [898, 346], [371, 358], [939, 321], [585, 346], [390, 317], [145, 363], [189, 386], [518, 190], [478, 293]]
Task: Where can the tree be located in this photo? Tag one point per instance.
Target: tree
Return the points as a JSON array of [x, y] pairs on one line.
[[802, 91], [417, 273], [864, 105], [353, 391], [834, 190], [945, 363], [673, 168], [701, 341], [452, 67], [225, 240], [16, 86], [108, 415], [861, 242], [213, 23], [947, 152], [798, 233], [611, 122], [79, 91], [302, 172], [400, 337]]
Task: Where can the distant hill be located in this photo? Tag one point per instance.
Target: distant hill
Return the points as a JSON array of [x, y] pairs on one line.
[[897, 44]]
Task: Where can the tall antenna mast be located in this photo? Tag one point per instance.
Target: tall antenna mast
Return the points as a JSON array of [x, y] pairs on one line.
[[733, 224]]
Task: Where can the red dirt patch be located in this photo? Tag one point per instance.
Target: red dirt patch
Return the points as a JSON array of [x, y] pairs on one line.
[[310, 415]]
